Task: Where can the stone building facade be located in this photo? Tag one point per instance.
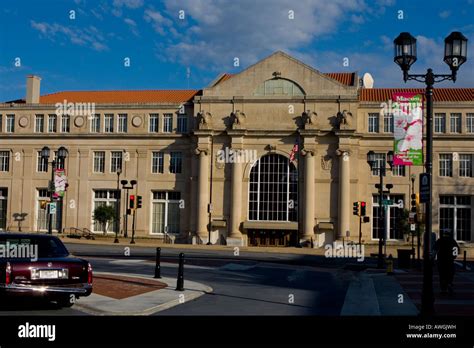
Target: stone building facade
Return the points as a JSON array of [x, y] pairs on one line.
[[216, 162]]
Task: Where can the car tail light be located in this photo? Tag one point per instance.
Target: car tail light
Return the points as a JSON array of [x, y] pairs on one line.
[[89, 273], [8, 273]]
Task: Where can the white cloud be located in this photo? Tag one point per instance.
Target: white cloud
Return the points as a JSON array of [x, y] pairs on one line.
[[118, 6], [445, 14], [159, 22], [132, 25], [90, 36]]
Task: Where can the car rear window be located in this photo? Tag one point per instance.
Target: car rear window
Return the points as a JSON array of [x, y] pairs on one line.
[[42, 246]]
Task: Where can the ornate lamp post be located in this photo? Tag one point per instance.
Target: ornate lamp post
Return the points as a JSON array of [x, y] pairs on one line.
[[455, 54], [61, 155]]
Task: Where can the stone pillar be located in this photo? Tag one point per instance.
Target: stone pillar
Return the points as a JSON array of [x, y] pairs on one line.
[[344, 193], [203, 194], [236, 204], [309, 196]]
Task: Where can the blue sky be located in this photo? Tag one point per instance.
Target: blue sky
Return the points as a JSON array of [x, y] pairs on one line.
[[88, 52]]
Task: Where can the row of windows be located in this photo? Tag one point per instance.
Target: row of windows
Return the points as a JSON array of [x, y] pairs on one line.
[[466, 162], [50, 122], [380, 161], [455, 122]]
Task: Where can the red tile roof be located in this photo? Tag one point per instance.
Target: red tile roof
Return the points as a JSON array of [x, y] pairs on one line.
[[120, 97], [440, 94]]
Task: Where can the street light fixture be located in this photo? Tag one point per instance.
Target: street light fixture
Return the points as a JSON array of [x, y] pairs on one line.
[[371, 160], [61, 155], [455, 54], [127, 188]]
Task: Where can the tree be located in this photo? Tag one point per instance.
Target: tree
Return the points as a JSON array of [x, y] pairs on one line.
[[104, 214], [402, 221]]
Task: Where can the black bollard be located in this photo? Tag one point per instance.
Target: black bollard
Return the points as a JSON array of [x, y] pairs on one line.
[[464, 262], [180, 281], [157, 265]]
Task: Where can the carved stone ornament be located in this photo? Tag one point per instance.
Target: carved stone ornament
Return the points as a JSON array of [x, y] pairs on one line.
[[137, 121], [326, 162], [344, 119], [204, 120], [238, 119], [79, 121], [309, 119], [23, 122]]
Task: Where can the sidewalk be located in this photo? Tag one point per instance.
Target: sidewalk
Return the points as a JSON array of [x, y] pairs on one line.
[[134, 294]]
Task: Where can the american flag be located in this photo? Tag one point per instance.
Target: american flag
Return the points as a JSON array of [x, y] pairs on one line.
[[294, 151]]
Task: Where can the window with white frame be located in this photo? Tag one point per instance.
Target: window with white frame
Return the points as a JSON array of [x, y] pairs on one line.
[[99, 161], [10, 127], [165, 215], [167, 123], [105, 198], [108, 123], [373, 122], [95, 123], [4, 161], [52, 123], [470, 122], [388, 123], [273, 189], [65, 123], [455, 216], [60, 162], [398, 170], [116, 161], [440, 123], [182, 124], [391, 219], [455, 123], [153, 123], [157, 162], [122, 123], [39, 123], [465, 165], [41, 163], [445, 164], [176, 162], [379, 162], [42, 215]]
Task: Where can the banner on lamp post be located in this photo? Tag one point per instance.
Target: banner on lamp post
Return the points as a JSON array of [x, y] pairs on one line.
[[408, 129], [60, 182]]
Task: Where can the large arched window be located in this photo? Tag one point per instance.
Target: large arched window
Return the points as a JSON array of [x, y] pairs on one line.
[[273, 189], [279, 87]]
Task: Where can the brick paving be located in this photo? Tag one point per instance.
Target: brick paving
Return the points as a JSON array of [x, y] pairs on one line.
[[120, 287], [461, 302]]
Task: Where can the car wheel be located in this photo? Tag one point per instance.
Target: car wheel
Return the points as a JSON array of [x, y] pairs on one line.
[[66, 301]]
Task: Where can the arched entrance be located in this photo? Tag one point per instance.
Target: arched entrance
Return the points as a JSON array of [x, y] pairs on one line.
[[273, 197]]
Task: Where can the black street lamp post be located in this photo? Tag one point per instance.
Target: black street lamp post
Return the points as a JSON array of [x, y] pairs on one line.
[[117, 207], [455, 54], [61, 155], [381, 171], [125, 187]]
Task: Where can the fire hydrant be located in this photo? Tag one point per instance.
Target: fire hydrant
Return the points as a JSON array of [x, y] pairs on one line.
[[389, 264]]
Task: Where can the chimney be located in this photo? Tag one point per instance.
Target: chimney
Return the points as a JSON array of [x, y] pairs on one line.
[[33, 89]]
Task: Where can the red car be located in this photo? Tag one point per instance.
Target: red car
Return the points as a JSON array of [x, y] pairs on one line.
[[40, 265]]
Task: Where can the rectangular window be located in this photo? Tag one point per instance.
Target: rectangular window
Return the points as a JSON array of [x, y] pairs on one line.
[[455, 216], [440, 123], [157, 162], [455, 123], [388, 123], [373, 123], [122, 123], [4, 161], [95, 123], [41, 163], [39, 124], [105, 198], [470, 123], [167, 123], [398, 171], [65, 123], [99, 161], [465, 165], [380, 162], [52, 123], [60, 162], [391, 220], [116, 161], [165, 212], [182, 124], [153, 123], [10, 128], [176, 160], [108, 123], [445, 164]]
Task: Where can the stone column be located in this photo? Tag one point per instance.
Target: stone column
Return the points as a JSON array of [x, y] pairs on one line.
[[309, 196], [203, 194], [344, 193], [236, 204]]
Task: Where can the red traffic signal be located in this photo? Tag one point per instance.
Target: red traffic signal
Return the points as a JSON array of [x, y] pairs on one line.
[[132, 202], [363, 207]]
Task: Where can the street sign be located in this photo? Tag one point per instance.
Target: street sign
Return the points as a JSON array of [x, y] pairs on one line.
[[387, 202], [424, 188], [411, 218], [412, 227], [52, 208]]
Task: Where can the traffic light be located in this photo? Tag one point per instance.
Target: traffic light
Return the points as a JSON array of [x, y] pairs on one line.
[[132, 202], [139, 202], [363, 206], [413, 203], [356, 208]]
